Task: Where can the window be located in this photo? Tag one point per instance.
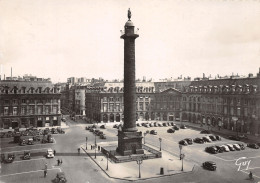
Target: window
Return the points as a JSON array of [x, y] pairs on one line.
[[231, 111], [111, 107], [6, 111], [225, 109], [111, 99], [141, 106], [245, 112], [238, 111], [105, 107], [105, 99], [6, 101], [39, 109], [54, 109], [31, 109], [146, 106], [47, 110], [23, 101], [246, 102], [14, 111], [23, 110]]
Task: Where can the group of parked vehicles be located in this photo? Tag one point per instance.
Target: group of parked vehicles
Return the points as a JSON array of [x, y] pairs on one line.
[[97, 131], [225, 148]]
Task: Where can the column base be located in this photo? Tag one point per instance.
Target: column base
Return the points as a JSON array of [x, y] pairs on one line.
[[129, 143]]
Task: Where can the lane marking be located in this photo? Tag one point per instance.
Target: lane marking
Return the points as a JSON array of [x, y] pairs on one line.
[[29, 172], [28, 145]]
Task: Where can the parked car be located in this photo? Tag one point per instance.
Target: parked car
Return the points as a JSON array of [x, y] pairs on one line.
[[173, 124], [243, 136], [160, 124], [103, 136], [198, 140], [211, 149], [165, 124], [103, 126], [206, 139], [146, 125], [91, 129], [183, 142], [155, 124], [233, 137], [153, 132], [138, 124], [183, 127], [242, 146], [150, 124], [253, 145], [220, 149], [170, 130], [212, 137], [231, 148], [225, 148], [237, 147], [175, 127], [50, 153], [218, 137], [210, 165], [30, 141], [87, 127], [115, 126], [60, 177], [189, 141], [205, 132]]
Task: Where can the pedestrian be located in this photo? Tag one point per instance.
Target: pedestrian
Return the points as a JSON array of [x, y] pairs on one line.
[[54, 152], [60, 161], [45, 173], [251, 176], [46, 166], [78, 151], [91, 147]]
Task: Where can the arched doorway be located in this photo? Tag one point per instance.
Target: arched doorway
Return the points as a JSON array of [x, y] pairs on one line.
[[171, 117], [111, 117], [213, 121], [208, 121], [189, 117], [165, 116], [194, 118], [199, 119], [117, 117], [184, 116], [152, 116], [146, 116], [158, 116], [141, 116], [105, 118]]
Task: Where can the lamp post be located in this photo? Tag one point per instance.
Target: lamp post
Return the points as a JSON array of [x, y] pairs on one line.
[[182, 157], [144, 136], [160, 140], [180, 146], [139, 162], [86, 143], [107, 159], [95, 146]]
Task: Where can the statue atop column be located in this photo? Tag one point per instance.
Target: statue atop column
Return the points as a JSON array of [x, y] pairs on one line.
[[129, 14]]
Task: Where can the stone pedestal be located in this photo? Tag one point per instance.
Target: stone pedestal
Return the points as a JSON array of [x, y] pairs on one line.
[[130, 143]]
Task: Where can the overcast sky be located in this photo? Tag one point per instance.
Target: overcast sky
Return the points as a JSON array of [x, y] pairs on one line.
[[65, 38]]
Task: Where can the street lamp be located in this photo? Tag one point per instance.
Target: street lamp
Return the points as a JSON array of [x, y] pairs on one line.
[[139, 162], [107, 159], [160, 140], [182, 157], [144, 136], [180, 146], [95, 146]]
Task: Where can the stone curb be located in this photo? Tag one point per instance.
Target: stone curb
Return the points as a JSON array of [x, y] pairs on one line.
[[137, 178]]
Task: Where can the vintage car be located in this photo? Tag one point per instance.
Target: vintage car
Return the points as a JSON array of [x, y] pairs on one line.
[[26, 155], [210, 165], [49, 153], [60, 177]]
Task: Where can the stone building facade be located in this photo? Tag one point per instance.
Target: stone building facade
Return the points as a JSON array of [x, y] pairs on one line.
[[29, 103]]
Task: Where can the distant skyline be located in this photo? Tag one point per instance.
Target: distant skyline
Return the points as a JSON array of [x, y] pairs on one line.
[[81, 38]]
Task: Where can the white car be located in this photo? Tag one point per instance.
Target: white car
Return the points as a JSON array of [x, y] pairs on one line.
[[50, 153], [225, 148]]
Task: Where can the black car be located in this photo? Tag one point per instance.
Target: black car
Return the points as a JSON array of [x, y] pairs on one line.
[[189, 141], [198, 140], [220, 149], [205, 132], [232, 137], [212, 137], [153, 132], [175, 127], [87, 127], [103, 126], [91, 129], [183, 142], [230, 146], [211, 149], [210, 165], [183, 127], [170, 130], [252, 145], [242, 146], [155, 124], [115, 126], [165, 124], [138, 124], [218, 137]]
